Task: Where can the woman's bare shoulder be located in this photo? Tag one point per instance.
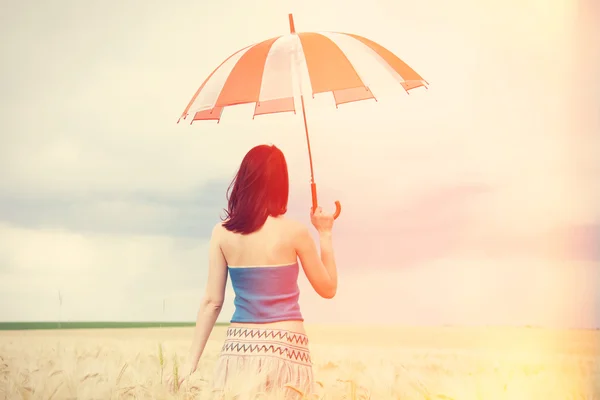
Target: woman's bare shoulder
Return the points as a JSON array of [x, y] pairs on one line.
[[293, 226], [219, 230]]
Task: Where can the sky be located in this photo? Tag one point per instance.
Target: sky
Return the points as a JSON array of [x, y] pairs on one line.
[[471, 203]]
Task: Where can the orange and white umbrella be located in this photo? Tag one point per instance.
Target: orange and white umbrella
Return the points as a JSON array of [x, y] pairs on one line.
[[268, 74]]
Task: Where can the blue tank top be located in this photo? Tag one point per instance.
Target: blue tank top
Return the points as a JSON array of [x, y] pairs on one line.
[[266, 294]]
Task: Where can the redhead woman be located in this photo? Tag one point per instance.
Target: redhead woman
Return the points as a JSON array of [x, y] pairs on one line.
[[266, 347]]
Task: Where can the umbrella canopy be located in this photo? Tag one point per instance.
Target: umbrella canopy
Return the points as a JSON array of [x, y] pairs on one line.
[[266, 73]]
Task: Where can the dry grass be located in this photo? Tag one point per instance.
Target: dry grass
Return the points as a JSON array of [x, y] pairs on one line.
[[365, 363]]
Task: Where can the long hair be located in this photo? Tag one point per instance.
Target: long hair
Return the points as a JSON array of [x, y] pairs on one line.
[[259, 189]]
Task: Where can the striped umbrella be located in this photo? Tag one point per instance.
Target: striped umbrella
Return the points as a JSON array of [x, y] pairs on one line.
[[268, 73]]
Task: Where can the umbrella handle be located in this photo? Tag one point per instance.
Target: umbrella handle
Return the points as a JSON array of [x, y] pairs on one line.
[[315, 204], [338, 209]]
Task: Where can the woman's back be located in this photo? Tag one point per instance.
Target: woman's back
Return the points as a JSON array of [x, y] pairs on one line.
[[271, 245], [263, 268]]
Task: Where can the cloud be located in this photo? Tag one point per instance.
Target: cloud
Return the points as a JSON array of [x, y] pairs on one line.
[[128, 277], [101, 277], [583, 241], [418, 230], [192, 213], [462, 290]]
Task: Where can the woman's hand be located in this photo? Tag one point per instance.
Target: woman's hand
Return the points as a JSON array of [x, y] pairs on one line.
[[184, 373], [323, 223]]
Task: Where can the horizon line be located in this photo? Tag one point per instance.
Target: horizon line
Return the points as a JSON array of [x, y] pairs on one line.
[[115, 324]]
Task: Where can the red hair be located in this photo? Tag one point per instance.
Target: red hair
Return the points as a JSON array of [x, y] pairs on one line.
[[259, 189]]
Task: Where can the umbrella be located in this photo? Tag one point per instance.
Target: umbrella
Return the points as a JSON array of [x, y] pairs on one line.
[[267, 74]]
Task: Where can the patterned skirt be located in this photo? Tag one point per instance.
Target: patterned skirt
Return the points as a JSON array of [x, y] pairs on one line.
[[271, 361]]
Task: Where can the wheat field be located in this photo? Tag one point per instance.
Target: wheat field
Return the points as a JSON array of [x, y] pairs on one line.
[[349, 363]]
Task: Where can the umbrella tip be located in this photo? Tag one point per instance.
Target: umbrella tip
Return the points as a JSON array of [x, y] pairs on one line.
[[292, 26]]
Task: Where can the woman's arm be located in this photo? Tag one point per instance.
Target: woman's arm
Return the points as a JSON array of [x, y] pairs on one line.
[[212, 302], [321, 271]]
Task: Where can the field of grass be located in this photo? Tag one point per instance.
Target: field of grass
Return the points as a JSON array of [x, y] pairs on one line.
[[349, 363]]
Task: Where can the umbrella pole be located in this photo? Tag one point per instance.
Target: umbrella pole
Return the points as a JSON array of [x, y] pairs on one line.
[[313, 185]]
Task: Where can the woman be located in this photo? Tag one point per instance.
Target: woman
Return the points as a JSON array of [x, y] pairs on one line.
[[266, 341]]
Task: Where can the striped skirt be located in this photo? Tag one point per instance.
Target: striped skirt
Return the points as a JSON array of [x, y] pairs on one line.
[[271, 361]]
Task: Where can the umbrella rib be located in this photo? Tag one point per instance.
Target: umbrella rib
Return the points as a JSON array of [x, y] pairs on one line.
[[187, 109]]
